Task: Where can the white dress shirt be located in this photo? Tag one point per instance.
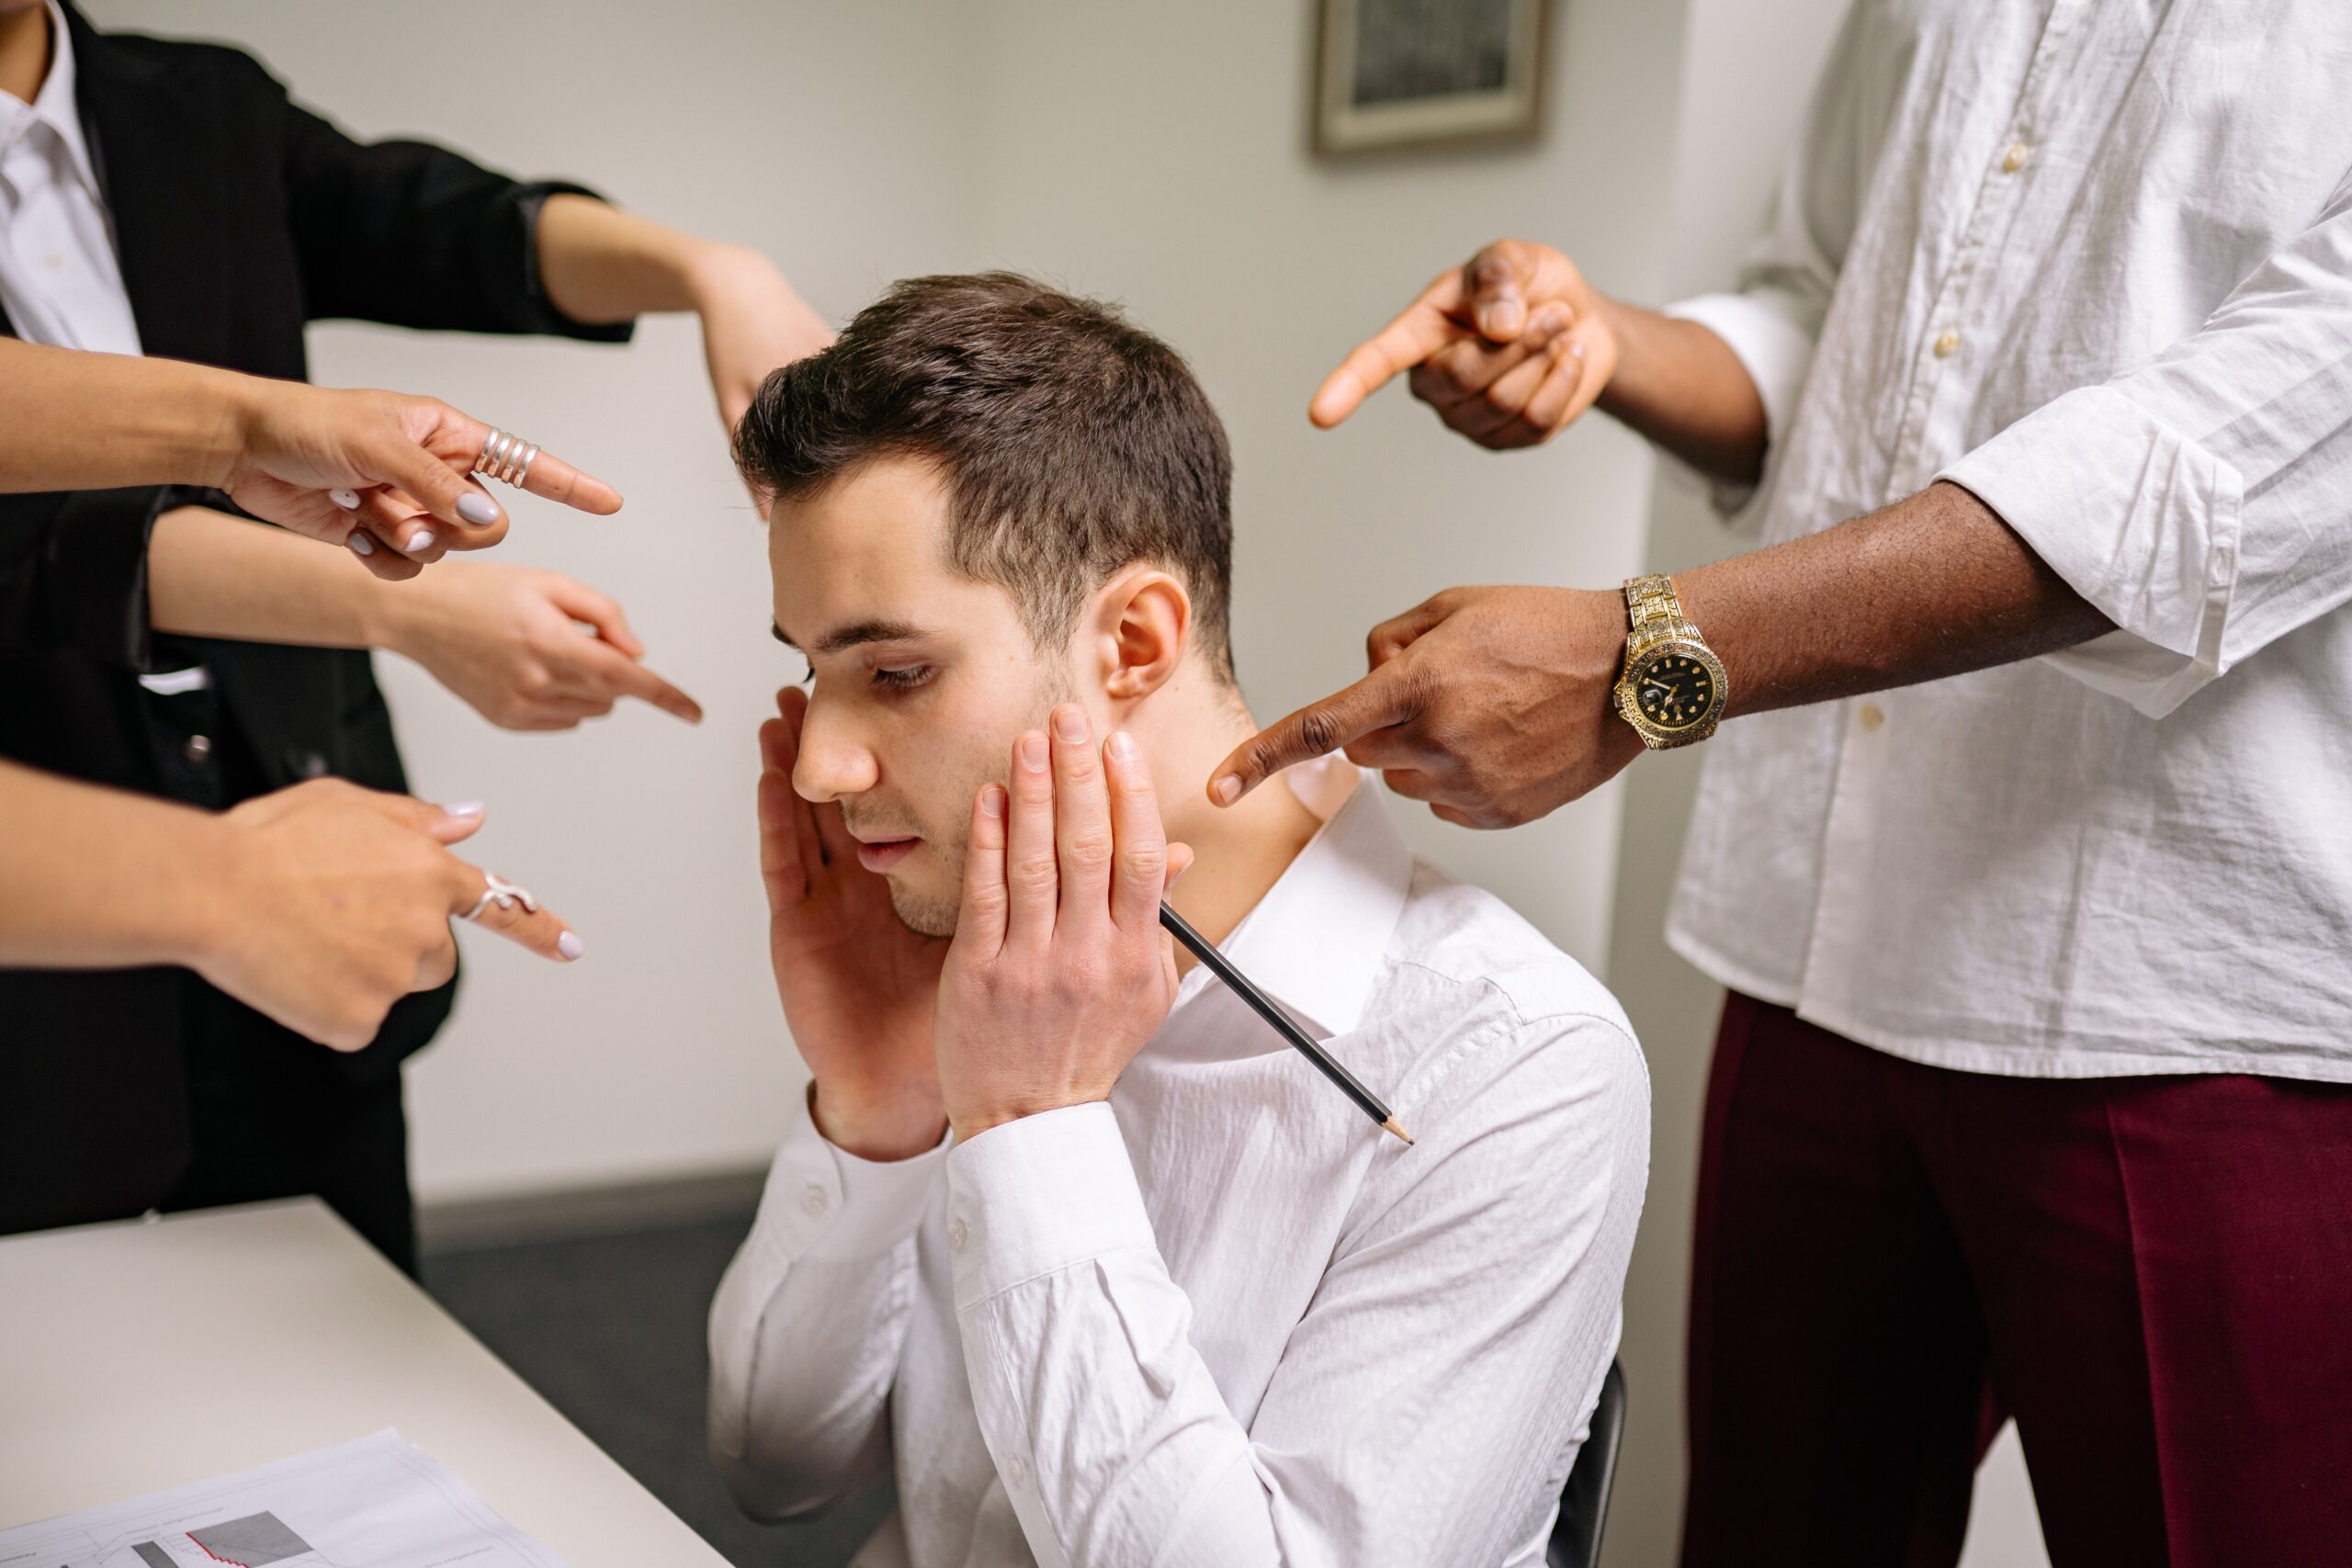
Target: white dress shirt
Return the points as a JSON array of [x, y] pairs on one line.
[[58, 279], [1223, 1321], [2094, 262]]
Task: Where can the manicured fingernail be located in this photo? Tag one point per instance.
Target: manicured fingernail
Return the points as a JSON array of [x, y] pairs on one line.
[[1122, 746], [570, 946], [346, 499], [1033, 751], [361, 544], [1070, 723], [1227, 789], [420, 540], [465, 809], [477, 509]]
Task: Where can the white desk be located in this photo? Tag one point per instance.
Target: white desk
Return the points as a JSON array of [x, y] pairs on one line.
[[140, 1356]]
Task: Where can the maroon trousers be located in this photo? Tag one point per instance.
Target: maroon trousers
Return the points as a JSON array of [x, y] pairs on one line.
[[2152, 1275]]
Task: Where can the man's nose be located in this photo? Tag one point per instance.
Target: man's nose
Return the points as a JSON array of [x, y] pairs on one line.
[[833, 763]]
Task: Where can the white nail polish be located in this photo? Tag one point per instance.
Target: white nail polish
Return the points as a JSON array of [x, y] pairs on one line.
[[346, 499], [420, 540], [477, 509], [361, 544], [465, 809], [570, 946]]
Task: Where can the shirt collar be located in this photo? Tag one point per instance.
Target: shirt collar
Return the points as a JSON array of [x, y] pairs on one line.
[[55, 104], [1316, 940]]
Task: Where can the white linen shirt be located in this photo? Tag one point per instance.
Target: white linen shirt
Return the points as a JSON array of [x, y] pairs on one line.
[[2093, 263], [1222, 1320], [58, 279]]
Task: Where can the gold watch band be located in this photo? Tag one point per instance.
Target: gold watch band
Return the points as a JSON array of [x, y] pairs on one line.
[[1651, 603]]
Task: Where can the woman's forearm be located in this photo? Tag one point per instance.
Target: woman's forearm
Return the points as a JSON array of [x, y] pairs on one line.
[[78, 420], [213, 575], [98, 878], [601, 264]]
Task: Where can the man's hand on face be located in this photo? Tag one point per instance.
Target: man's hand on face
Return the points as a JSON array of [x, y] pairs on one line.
[[1059, 971], [1508, 348], [858, 985], [1494, 705]]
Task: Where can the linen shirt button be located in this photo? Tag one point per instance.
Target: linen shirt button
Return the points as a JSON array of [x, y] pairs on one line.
[[1872, 716], [813, 1199], [1016, 1473], [1947, 343], [2014, 159], [955, 1235]]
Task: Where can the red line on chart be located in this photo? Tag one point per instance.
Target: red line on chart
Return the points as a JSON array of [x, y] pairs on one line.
[[216, 1556]]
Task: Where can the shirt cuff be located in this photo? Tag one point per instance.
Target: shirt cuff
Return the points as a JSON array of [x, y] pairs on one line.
[[823, 1201], [1776, 352], [2140, 520], [1037, 1195]]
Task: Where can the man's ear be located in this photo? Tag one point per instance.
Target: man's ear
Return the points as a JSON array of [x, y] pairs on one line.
[[1142, 624]]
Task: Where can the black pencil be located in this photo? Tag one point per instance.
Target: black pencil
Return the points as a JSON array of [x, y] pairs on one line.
[[1264, 1007]]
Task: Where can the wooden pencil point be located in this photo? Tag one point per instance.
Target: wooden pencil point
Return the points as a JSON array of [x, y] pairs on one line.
[[1390, 1126]]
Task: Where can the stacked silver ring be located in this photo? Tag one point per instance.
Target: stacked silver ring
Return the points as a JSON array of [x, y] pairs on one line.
[[505, 457]]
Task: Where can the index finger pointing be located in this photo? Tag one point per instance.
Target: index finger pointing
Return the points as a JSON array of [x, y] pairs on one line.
[[1380, 699], [1424, 327], [511, 912]]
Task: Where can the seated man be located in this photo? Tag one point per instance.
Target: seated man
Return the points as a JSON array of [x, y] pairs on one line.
[[1210, 1315]]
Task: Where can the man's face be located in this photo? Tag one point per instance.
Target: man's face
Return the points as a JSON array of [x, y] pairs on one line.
[[922, 676]]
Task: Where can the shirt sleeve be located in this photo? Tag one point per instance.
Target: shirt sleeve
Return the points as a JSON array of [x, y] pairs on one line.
[[2200, 500], [807, 1324], [74, 572], [412, 234], [1426, 1407], [1771, 318]]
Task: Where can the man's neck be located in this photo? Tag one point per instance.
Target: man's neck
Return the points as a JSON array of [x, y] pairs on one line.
[[24, 51], [1238, 851]]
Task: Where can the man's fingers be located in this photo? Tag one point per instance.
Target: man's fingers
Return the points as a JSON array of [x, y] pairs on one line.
[[1143, 857], [1082, 839], [1032, 878], [1502, 411], [1395, 635], [1471, 366], [1548, 409], [779, 750], [1380, 699], [1423, 327], [980, 923], [540, 930], [784, 865], [1494, 280]]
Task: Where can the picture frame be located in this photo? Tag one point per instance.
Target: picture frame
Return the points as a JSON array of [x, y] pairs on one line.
[[1397, 73]]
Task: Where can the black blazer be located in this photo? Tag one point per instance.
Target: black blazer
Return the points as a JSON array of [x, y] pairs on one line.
[[239, 217]]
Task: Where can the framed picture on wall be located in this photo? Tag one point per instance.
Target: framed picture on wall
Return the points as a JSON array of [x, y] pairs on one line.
[[1413, 73]]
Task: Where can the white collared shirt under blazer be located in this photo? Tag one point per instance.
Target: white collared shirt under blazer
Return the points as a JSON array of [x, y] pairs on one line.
[[1223, 1321], [2091, 262]]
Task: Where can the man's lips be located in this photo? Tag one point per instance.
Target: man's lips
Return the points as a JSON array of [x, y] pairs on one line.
[[883, 854]]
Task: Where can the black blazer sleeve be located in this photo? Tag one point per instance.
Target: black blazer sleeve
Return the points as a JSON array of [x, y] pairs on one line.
[[414, 235], [74, 572]]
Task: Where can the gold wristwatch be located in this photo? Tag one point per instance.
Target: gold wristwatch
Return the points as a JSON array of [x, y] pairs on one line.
[[1673, 688]]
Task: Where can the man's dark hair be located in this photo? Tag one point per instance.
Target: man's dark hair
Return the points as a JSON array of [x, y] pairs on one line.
[[1072, 444]]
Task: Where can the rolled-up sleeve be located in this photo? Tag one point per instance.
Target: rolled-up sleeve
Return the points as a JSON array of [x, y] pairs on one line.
[[2203, 501]]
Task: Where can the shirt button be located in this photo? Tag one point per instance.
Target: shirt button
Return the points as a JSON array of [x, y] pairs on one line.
[[1947, 343], [198, 750], [1016, 1473], [1872, 716], [813, 1199], [955, 1235], [54, 262], [2014, 159]]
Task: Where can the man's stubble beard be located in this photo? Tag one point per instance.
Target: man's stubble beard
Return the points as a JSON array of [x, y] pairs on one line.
[[934, 914]]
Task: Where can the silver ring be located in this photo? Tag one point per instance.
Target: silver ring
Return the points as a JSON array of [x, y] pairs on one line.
[[504, 894], [504, 458]]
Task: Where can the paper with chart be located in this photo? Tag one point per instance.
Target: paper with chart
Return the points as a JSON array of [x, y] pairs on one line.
[[377, 1503]]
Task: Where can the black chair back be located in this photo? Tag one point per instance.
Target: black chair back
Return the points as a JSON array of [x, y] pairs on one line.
[[1584, 1502]]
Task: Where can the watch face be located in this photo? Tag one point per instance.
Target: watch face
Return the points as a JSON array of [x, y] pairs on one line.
[[1674, 691]]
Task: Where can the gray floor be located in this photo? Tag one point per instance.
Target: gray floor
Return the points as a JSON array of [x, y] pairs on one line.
[[610, 1329]]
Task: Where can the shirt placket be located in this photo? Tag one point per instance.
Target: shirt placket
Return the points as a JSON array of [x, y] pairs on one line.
[[1944, 381]]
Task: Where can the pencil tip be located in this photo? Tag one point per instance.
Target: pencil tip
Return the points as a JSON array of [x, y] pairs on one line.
[[1390, 1126]]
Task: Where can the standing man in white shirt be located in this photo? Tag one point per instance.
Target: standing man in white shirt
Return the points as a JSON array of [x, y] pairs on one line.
[[2035, 892], [1109, 1281]]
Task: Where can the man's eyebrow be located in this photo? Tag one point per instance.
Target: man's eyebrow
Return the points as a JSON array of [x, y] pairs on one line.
[[854, 634]]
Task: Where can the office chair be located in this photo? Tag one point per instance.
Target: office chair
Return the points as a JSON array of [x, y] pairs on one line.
[[1584, 1501]]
